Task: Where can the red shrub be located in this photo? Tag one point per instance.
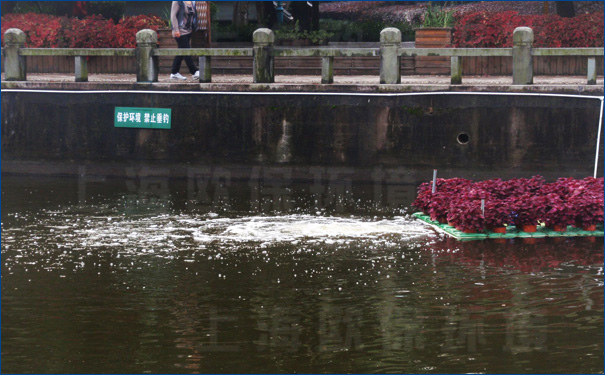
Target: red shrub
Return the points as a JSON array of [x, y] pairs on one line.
[[47, 31], [142, 22], [495, 30], [91, 32], [41, 30]]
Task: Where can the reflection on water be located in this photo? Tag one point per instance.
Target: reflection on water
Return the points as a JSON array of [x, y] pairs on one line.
[[166, 279]]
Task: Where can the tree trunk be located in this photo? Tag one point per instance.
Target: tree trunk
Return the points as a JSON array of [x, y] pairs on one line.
[[240, 13], [565, 8], [301, 12], [265, 13], [315, 16]]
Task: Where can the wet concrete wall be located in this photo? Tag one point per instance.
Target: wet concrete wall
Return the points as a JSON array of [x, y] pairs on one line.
[[478, 132]]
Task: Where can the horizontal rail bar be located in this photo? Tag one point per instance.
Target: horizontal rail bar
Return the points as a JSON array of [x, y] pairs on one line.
[[77, 52], [459, 52], [326, 52], [567, 51], [309, 52], [233, 52]]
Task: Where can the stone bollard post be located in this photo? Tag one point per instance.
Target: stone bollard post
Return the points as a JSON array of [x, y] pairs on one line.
[[147, 64], [523, 41], [456, 70], [14, 64], [262, 66], [592, 71], [205, 64], [327, 70], [81, 66], [390, 61]]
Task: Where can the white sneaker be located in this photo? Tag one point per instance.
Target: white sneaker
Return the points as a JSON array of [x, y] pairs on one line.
[[177, 76], [196, 75]]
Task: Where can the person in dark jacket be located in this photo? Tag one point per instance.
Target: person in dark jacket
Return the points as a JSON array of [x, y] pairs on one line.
[[184, 19]]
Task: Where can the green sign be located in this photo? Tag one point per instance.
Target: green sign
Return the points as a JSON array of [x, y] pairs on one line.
[[148, 118]]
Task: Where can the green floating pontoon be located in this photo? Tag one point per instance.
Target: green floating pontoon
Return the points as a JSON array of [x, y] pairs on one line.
[[511, 231]]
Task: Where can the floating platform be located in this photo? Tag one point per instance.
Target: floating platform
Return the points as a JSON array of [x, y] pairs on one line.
[[511, 231]]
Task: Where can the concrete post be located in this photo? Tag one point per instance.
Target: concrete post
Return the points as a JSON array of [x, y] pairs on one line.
[[14, 64], [81, 69], [390, 61], [147, 64], [205, 64], [523, 41], [327, 69], [456, 74], [262, 66], [592, 71]]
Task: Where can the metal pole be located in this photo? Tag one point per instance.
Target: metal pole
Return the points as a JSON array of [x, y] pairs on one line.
[[280, 13], [596, 158], [434, 181]]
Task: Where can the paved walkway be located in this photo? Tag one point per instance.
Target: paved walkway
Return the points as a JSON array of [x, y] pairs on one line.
[[567, 84], [312, 80]]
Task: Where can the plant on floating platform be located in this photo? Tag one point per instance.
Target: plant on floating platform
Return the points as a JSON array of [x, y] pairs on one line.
[[563, 187], [449, 186], [518, 201], [493, 188], [439, 206], [423, 199], [453, 184], [594, 185], [557, 212], [574, 201], [587, 210], [526, 209], [497, 213], [465, 214], [519, 186]]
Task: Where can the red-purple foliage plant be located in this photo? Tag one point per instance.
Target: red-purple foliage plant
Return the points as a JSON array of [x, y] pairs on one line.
[[46, 31], [465, 215], [497, 213], [495, 30], [518, 201]]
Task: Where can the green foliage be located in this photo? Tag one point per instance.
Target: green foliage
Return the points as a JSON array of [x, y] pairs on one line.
[[363, 31], [294, 33], [57, 8], [166, 15], [107, 9], [228, 32], [213, 10], [437, 17]]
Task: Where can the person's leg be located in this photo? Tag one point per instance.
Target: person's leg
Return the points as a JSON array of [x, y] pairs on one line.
[[176, 64], [181, 42], [188, 59]]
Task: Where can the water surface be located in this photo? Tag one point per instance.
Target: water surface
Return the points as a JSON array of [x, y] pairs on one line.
[[114, 276]]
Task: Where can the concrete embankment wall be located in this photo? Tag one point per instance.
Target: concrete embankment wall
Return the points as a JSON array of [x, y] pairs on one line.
[[460, 131]]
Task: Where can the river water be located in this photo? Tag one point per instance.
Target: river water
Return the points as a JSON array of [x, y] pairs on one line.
[[115, 275]]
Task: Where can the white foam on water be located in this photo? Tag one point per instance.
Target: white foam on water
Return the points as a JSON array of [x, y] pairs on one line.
[[289, 228], [63, 236]]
